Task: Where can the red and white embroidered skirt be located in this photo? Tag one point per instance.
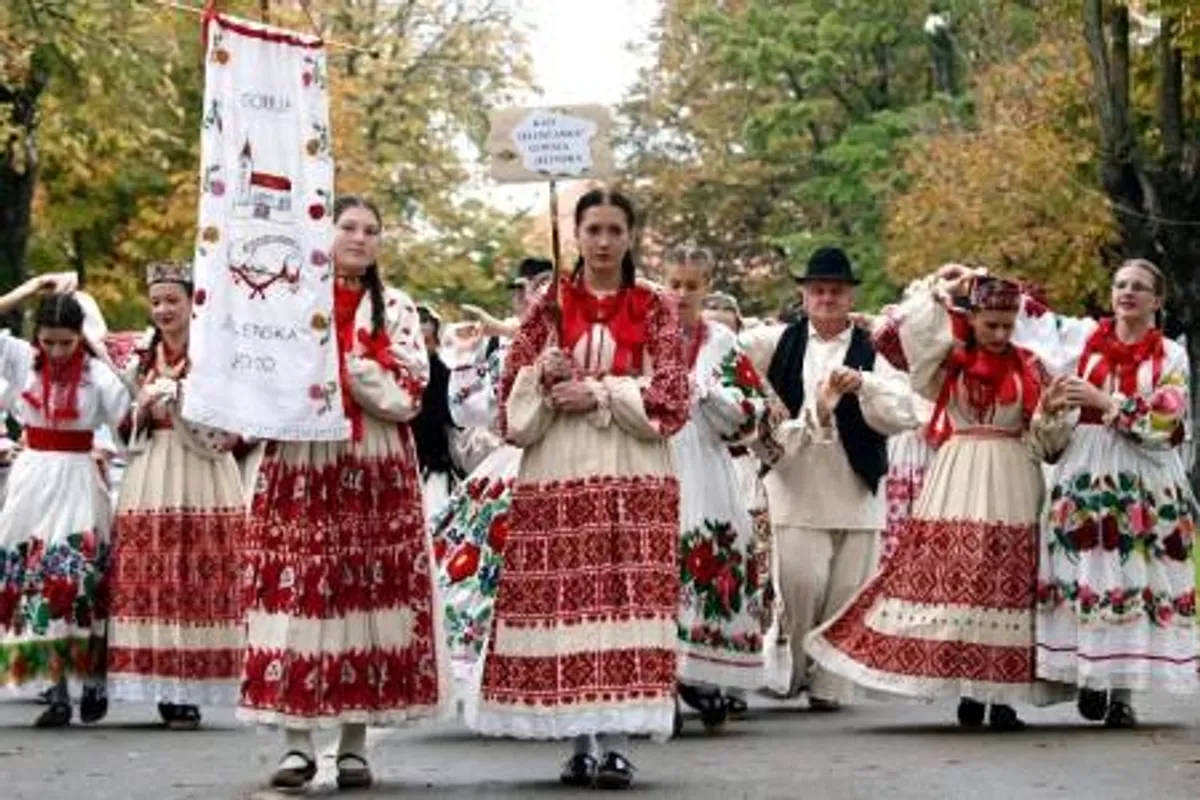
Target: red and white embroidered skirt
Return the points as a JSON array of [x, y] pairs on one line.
[[951, 612], [585, 632], [175, 633], [337, 584]]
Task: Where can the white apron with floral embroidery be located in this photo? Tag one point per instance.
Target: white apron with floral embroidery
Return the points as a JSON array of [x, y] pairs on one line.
[[720, 603], [1116, 582]]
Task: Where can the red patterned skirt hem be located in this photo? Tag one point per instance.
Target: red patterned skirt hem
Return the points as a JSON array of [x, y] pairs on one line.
[[950, 613], [587, 561]]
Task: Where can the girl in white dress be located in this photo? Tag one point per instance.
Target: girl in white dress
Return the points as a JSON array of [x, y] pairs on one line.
[[720, 603], [56, 521]]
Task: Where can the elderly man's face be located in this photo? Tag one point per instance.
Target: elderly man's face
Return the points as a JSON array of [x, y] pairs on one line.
[[828, 302]]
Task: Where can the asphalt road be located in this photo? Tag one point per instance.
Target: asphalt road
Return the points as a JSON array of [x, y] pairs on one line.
[[894, 751]]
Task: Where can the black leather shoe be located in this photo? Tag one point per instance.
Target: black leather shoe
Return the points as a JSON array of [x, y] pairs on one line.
[[971, 713], [57, 715], [579, 771], [1092, 704], [1004, 719], [616, 772]]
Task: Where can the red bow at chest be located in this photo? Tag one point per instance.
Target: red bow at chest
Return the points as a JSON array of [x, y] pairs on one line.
[[1120, 360], [623, 317], [989, 380]]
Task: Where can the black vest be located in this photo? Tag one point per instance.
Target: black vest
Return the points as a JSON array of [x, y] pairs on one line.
[[431, 428], [866, 449]]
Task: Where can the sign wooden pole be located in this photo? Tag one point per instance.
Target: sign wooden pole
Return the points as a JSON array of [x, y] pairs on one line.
[[555, 236], [264, 10]]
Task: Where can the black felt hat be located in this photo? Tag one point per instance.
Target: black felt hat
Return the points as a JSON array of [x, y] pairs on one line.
[[828, 264], [529, 269]]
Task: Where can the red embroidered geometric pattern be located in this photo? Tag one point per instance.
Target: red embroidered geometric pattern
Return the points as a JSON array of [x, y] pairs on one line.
[[596, 550], [177, 569], [956, 563], [326, 541]]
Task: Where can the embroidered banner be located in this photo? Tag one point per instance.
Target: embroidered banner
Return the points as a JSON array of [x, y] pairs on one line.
[[264, 358]]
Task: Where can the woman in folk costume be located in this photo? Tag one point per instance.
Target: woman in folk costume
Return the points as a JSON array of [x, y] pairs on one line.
[[176, 634], [720, 605], [341, 622], [951, 612], [56, 521], [1116, 586], [584, 639]]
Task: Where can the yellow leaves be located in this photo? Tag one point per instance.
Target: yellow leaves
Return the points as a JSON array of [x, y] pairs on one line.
[[1016, 195]]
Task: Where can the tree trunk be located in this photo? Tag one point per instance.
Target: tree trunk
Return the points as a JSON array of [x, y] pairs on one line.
[[18, 178]]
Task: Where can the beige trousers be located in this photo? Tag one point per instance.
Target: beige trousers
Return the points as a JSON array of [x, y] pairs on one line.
[[819, 572]]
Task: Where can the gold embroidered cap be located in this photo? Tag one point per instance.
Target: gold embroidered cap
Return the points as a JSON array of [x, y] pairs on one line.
[[168, 272]]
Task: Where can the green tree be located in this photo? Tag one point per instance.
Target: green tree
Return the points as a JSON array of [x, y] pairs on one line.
[[766, 129]]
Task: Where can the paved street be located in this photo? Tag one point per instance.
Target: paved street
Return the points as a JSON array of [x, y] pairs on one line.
[[895, 751]]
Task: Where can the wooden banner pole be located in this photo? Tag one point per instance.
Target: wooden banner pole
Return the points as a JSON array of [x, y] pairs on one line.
[[264, 11]]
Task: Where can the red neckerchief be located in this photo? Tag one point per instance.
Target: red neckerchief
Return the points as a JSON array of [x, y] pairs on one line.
[[1119, 359], [622, 314], [60, 386], [989, 379], [345, 308]]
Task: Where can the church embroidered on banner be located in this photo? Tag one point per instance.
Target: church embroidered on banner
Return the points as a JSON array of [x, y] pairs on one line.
[[261, 195]]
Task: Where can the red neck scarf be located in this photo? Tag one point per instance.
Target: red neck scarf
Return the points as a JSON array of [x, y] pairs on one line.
[[988, 379], [345, 308], [1119, 359], [59, 401], [622, 315]]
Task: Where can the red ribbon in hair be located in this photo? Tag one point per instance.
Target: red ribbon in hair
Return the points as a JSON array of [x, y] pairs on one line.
[[989, 379], [1119, 359], [60, 386]]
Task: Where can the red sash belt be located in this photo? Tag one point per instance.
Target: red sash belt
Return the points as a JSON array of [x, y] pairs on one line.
[[59, 441]]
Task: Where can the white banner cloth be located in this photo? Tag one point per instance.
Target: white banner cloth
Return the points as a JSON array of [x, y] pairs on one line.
[[262, 345]]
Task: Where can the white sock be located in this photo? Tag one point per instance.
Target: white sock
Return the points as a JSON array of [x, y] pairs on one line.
[[585, 745], [353, 740], [300, 741]]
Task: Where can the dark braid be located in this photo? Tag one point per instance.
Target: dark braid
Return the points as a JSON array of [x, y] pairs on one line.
[[371, 279]]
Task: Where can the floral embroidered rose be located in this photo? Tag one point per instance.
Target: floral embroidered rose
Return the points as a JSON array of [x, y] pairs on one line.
[[1087, 599], [221, 56], [702, 563], [498, 532], [1139, 518], [217, 188], [312, 147], [316, 392], [319, 258], [726, 584], [1110, 532], [463, 563], [211, 234], [1176, 548], [1086, 536], [316, 212]]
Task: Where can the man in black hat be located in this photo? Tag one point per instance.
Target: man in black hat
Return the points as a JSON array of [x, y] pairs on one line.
[[824, 479]]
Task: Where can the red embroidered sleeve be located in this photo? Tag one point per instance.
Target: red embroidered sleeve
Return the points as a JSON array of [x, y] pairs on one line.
[[666, 399], [530, 341]]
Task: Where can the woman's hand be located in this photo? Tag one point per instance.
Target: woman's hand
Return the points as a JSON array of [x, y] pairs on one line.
[[1081, 394], [956, 279], [573, 397], [1054, 397], [556, 366]]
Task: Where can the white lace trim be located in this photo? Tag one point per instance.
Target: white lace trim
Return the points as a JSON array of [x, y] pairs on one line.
[[656, 718], [133, 689]]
